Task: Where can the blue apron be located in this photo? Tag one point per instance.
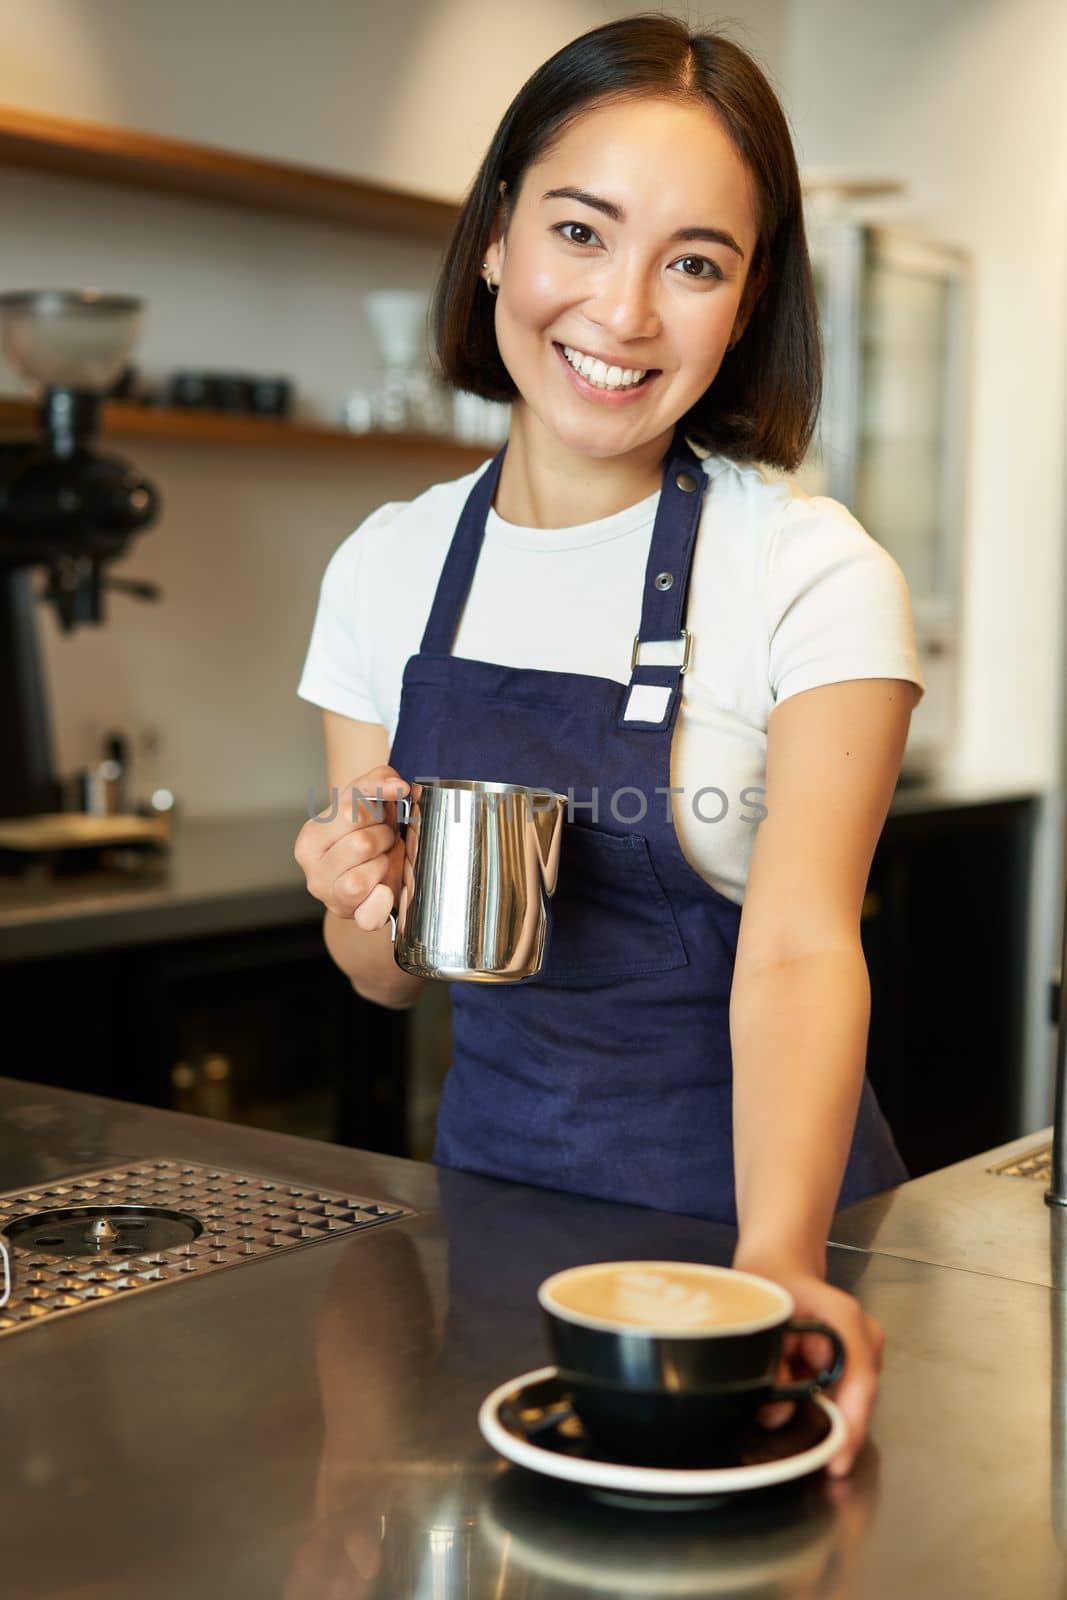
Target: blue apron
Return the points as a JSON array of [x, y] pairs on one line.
[[609, 1072]]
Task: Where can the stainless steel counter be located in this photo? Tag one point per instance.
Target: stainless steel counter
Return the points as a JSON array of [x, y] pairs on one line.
[[969, 1217], [304, 1426], [219, 876]]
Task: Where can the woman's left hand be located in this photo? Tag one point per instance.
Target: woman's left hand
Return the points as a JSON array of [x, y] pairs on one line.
[[804, 1354]]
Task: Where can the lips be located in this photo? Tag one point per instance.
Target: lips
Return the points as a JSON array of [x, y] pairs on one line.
[[613, 396], [609, 361]]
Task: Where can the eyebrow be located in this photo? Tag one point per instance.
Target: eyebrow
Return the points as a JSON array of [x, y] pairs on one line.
[[617, 214]]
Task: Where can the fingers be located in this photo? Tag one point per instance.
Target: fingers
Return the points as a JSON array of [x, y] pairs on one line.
[[856, 1393], [805, 1354], [348, 893], [371, 890], [373, 912], [357, 847], [367, 799], [855, 1400], [348, 856], [778, 1412], [363, 1549]]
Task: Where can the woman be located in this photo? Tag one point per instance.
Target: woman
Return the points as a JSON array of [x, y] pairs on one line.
[[630, 270]]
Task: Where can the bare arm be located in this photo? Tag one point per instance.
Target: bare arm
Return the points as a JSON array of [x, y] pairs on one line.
[[800, 1013], [361, 944], [800, 1002]]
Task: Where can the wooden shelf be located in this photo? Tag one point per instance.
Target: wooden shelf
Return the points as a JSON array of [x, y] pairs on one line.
[[225, 429], [204, 172], [159, 165]]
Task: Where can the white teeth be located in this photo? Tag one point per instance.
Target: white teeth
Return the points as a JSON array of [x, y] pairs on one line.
[[603, 376]]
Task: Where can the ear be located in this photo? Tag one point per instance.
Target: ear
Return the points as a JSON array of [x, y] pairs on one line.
[[498, 230]]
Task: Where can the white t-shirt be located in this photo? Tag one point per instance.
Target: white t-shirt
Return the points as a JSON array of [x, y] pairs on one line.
[[787, 591]]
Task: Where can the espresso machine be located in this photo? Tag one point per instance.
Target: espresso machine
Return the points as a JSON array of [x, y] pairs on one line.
[[64, 507]]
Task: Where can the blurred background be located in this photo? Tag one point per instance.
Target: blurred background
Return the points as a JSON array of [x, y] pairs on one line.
[[275, 185]]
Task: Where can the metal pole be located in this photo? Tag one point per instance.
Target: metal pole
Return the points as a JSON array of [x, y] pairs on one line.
[[1056, 1195]]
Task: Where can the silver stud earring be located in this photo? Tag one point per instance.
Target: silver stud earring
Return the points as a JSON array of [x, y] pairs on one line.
[[489, 284]]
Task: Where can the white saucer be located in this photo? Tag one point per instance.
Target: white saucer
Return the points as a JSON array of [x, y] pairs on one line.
[[664, 1488]]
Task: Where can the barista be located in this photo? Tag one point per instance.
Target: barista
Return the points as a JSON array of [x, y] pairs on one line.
[[630, 271]]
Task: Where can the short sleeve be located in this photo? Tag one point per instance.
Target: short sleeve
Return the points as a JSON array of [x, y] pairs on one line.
[[336, 672], [838, 603]]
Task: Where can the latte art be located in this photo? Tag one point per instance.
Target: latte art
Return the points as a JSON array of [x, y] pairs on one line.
[[682, 1300], [650, 1297]]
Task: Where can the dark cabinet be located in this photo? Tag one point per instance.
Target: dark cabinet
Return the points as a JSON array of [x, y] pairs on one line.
[[945, 929], [257, 1027], [260, 1027]]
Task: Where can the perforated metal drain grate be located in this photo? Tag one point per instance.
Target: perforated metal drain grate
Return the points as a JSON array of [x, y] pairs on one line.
[[244, 1217]]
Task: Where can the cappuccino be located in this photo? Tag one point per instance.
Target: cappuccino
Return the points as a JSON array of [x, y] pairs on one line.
[[669, 1297], [665, 1361]]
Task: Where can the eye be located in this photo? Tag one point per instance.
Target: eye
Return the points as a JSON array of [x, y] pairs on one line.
[[715, 272], [583, 226]]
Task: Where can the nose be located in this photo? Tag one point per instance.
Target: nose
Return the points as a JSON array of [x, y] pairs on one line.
[[626, 302]]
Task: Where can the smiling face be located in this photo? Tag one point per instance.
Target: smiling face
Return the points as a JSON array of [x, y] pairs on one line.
[[649, 272]]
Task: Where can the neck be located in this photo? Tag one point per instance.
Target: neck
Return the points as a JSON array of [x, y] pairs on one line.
[[543, 484]]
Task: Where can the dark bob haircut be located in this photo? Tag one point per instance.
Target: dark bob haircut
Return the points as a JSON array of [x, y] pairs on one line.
[[764, 400]]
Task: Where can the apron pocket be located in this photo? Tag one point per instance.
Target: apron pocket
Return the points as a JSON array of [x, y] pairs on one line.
[[609, 917]]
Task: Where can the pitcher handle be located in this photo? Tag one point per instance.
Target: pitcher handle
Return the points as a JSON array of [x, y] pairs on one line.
[[401, 823], [547, 824]]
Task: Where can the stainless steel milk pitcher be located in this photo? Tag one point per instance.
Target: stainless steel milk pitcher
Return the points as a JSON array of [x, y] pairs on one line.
[[480, 863]]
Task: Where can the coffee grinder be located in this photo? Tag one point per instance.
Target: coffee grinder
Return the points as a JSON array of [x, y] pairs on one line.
[[62, 506]]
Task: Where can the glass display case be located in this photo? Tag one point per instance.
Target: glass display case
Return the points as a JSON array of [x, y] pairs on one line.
[[892, 430]]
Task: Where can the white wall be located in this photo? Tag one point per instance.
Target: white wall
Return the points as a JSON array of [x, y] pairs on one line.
[[408, 92], [964, 101]]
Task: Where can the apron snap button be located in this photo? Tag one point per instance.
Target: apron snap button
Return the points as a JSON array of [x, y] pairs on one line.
[[686, 482], [664, 580]]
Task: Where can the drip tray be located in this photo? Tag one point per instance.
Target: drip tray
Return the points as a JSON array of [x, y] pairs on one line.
[[106, 1235]]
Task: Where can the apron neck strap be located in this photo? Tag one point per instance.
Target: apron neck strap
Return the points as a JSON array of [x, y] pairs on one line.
[[669, 558], [674, 534], [654, 694], [457, 574]]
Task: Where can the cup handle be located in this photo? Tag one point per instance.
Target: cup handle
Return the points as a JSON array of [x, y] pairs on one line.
[[5, 1272], [821, 1380]]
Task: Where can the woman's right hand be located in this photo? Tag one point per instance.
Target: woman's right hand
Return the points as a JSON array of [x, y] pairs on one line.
[[353, 861]]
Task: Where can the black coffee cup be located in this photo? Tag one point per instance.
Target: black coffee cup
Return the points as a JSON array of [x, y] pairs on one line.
[[270, 397], [668, 1362], [196, 390]]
